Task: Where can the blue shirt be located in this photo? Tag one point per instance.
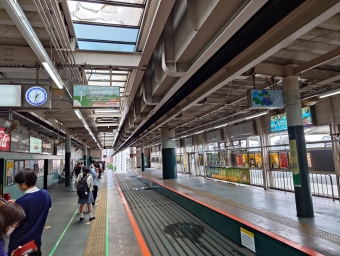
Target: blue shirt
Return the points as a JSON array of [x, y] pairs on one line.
[[2, 247], [94, 177], [36, 206]]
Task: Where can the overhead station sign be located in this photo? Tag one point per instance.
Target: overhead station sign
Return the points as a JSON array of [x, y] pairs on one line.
[[265, 99], [85, 96]]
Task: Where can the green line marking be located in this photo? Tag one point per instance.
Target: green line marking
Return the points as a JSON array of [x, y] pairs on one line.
[[62, 235]]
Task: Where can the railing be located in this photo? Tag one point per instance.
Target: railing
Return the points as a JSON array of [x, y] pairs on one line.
[[256, 177], [322, 184]]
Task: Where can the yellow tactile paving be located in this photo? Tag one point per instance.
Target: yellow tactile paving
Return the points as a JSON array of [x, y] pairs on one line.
[[97, 236]]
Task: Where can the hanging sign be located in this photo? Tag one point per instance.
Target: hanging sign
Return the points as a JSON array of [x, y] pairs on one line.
[[85, 96], [265, 99]]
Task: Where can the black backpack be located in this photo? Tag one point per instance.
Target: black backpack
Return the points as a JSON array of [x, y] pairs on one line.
[[83, 189]]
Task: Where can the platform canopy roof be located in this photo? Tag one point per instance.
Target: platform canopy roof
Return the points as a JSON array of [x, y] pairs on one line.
[[183, 65]]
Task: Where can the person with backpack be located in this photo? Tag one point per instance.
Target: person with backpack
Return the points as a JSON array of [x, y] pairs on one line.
[[84, 190]]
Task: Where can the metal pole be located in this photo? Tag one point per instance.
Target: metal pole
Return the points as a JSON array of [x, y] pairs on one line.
[[67, 160]]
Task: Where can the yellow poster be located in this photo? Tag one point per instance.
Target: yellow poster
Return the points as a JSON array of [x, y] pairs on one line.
[[258, 160], [252, 162], [9, 172], [274, 160], [245, 160]]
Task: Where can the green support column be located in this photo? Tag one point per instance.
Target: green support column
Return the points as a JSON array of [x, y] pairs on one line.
[[67, 160], [168, 154], [297, 143], [142, 158]]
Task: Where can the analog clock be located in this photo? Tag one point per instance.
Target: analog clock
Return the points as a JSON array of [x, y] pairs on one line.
[[36, 96]]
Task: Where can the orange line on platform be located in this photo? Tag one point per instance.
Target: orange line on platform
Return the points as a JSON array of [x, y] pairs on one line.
[[144, 248]]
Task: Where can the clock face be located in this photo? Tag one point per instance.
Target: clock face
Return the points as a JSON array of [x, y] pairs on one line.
[[36, 96]]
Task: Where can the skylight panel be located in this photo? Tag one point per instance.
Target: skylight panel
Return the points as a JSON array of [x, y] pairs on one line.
[[105, 13], [105, 47]]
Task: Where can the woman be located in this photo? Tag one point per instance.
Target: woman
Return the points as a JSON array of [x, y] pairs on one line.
[[10, 216], [89, 199]]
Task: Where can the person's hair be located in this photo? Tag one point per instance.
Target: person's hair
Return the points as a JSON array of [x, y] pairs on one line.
[[78, 163], [86, 170], [10, 213], [27, 176]]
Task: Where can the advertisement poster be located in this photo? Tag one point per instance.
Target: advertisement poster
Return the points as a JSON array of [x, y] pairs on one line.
[[200, 158], [245, 160], [258, 160], [35, 145], [279, 122], [27, 164], [9, 172], [16, 168], [274, 160], [265, 98], [307, 117], [5, 140], [283, 156], [40, 172], [309, 160], [229, 174], [295, 163], [239, 160], [252, 162], [86, 96]]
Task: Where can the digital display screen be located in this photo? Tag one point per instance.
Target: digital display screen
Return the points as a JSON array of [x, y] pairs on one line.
[[10, 95], [279, 122], [35, 145]]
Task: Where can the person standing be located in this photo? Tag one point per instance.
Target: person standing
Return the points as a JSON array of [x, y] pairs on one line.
[[36, 204], [88, 199], [94, 175]]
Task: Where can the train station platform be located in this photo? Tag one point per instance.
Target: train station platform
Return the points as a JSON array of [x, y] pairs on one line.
[[270, 211], [139, 213]]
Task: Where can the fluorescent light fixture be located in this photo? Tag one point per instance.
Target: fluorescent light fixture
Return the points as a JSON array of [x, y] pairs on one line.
[[78, 113], [39, 117], [331, 93], [256, 115], [198, 132], [55, 77], [216, 127], [106, 111]]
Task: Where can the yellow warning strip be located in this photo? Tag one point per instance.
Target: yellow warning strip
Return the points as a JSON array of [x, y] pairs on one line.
[[96, 241]]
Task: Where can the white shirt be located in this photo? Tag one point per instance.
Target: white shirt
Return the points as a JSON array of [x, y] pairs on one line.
[[31, 190]]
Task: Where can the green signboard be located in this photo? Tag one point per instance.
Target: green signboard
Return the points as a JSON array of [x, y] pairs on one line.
[[238, 175], [85, 96]]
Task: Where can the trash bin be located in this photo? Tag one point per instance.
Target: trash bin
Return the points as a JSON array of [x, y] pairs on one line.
[[7, 196]]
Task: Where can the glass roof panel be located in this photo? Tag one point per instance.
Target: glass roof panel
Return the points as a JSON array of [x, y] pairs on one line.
[[104, 33], [105, 47], [128, 1], [106, 71], [105, 13], [106, 77], [106, 83]]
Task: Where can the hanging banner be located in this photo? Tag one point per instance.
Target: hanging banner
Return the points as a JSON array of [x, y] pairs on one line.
[[295, 163], [283, 156], [85, 96], [265, 99]]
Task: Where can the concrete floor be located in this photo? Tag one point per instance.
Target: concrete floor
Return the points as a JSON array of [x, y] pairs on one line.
[[73, 242], [278, 203]]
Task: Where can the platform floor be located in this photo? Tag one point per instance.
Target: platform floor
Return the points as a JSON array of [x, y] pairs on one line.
[[64, 235], [272, 210]]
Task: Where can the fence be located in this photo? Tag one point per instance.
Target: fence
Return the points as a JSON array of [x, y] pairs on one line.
[[322, 184]]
